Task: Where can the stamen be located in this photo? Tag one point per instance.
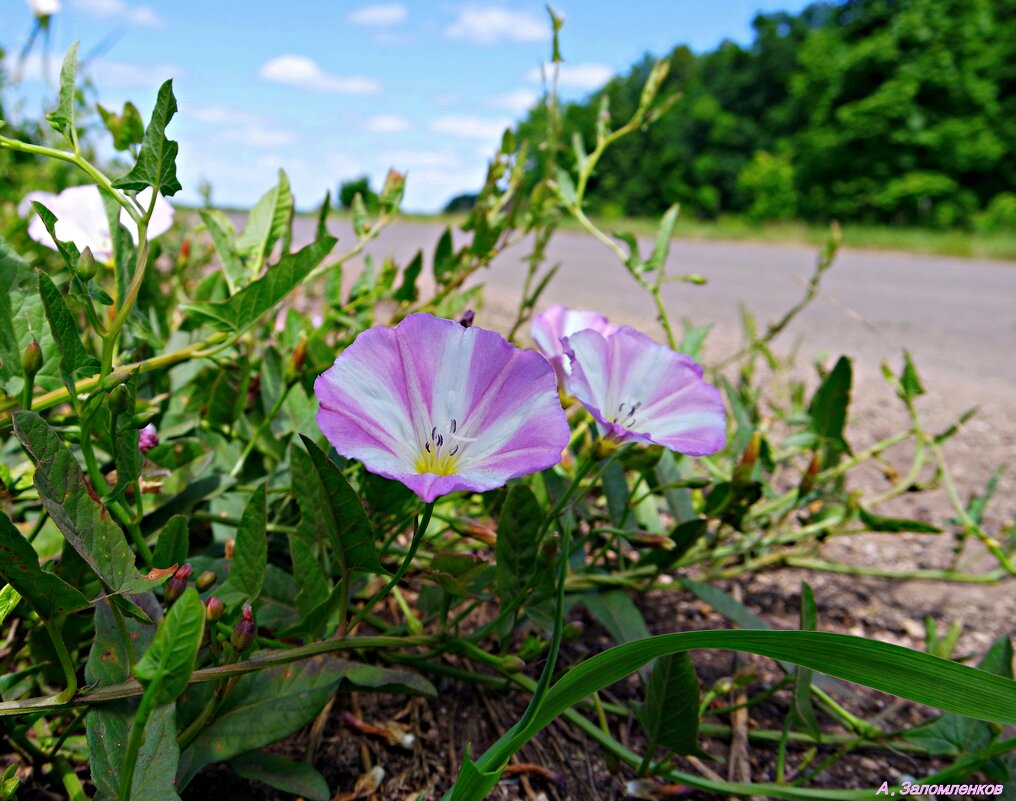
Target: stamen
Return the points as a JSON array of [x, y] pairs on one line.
[[454, 425], [427, 446], [439, 441], [453, 451], [433, 433]]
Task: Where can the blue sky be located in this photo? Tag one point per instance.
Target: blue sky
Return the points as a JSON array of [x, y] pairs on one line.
[[332, 90]]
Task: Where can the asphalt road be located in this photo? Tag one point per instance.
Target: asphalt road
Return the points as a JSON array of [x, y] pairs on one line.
[[956, 316]]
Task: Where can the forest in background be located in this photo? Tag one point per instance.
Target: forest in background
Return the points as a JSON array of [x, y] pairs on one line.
[[899, 112]]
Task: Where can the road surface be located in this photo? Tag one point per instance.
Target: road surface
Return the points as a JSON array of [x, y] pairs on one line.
[[956, 316]]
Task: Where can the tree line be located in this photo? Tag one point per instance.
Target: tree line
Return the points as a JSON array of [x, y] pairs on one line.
[[880, 111]]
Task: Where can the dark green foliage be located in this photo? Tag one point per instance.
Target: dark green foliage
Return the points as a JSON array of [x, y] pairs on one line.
[[868, 110], [348, 191]]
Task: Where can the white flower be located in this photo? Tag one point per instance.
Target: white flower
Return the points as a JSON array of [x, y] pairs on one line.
[[44, 8], [81, 219]]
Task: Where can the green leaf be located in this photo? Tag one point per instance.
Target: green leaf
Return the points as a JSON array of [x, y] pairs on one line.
[[250, 553], [517, 549], [126, 452], [108, 725], [670, 714], [156, 164], [910, 381], [322, 220], [127, 128], [802, 708], [67, 250], [444, 258], [952, 734], [9, 599], [266, 224], [899, 671], [664, 236], [82, 518], [296, 778], [828, 408], [173, 545], [223, 234], [895, 524], [314, 585], [167, 664], [48, 594], [346, 524], [272, 704], [618, 614], [407, 291], [248, 305], [62, 117]]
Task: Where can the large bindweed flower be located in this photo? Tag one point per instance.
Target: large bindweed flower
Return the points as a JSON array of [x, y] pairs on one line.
[[441, 407], [559, 321], [81, 219], [640, 391]]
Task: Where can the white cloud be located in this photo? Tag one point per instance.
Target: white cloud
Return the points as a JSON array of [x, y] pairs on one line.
[[491, 24], [589, 75], [304, 73], [466, 127], [518, 101], [387, 123], [123, 75], [137, 15], [379, 15]]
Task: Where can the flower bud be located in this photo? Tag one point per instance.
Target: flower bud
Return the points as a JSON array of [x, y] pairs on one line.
[[148, 438], [392, 190], [118, 400], [467, 318], [32, 359], [213, 608], [85, 268], [178, 583], [244, 630], [296, 360], [743, 470], [808, 479], [228, 548], [206, 580], [142, 419], [114, 379], [647, 539]]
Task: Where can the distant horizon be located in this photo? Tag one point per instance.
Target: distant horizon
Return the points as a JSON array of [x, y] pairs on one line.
[[339, 92]]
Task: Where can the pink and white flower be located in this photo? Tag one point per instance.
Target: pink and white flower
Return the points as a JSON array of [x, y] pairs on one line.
[[640, 391], [548, 328], [441, 407]]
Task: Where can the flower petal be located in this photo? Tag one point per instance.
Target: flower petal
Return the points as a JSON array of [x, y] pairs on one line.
[[548, 328], [640, 391], [487, 409]]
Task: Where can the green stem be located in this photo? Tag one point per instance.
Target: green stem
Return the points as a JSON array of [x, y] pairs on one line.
[[134, 741], [66, 665], [79, 161], [260, 430], [418, 532]]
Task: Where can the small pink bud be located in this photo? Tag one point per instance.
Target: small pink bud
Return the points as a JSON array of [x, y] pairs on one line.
[[148, 438], [178, 583], [467, 318], [244, 630], [213, 608], [206, 580]]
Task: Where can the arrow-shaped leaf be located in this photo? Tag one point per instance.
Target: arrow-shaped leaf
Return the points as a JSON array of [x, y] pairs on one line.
[[156, 164], [48, 594]]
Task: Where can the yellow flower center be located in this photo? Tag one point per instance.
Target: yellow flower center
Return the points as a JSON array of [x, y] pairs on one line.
[[435, 457], [442, 464]]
